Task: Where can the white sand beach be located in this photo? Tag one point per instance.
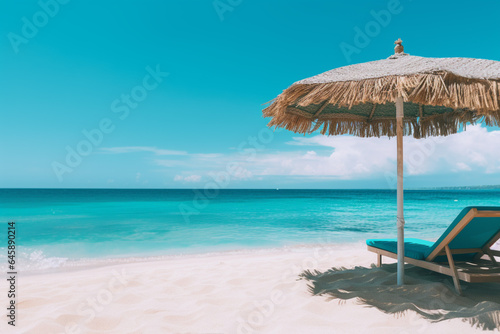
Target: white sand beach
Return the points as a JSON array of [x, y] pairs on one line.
[[245, 292]]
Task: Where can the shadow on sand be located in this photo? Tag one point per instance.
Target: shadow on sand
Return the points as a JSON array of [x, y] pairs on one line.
[[430, 294]]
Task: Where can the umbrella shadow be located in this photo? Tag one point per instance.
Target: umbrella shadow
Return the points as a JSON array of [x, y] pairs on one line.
[[429, 294]]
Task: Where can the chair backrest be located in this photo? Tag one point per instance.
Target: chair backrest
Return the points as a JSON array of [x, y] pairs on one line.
[[474, 228]]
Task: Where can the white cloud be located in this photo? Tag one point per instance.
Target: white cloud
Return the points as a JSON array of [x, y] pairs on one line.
[[342, 157], [189, 178], [351, 157], [473, 150], [463, 166], [134, 149], [241, 173], [357, 158]]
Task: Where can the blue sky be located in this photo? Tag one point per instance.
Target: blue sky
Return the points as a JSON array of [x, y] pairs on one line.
[[171, 92]]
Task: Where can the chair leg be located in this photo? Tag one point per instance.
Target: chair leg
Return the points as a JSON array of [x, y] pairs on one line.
[[379, 260], [456, 281], [492, 258]]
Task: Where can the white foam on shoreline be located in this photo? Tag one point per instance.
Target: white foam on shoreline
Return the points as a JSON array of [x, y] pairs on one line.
[[35, 261]]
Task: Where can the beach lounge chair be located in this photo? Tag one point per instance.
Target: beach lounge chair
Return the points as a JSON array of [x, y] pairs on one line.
[[462, 252]]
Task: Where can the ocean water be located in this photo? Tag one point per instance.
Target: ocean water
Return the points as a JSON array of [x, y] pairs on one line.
[[54, 226]]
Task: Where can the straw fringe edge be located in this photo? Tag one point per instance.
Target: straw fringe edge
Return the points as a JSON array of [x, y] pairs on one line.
[[473, 100]]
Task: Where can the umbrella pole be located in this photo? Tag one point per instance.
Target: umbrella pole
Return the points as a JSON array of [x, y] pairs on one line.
[[400, 213]]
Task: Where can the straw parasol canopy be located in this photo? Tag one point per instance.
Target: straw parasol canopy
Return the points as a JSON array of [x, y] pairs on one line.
[[397, 96], [439, 94]]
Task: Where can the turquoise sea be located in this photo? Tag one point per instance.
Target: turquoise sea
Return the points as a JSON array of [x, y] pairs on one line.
[[54, 226]]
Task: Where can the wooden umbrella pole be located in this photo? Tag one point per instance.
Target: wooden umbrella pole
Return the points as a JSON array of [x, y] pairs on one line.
[[400, 213]]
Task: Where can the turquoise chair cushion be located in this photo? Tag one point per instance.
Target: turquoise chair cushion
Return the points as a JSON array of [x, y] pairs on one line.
[[476, 234], [414, 248]]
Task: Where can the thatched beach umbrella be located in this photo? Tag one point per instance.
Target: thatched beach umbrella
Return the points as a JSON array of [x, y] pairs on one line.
[[401, 95]]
